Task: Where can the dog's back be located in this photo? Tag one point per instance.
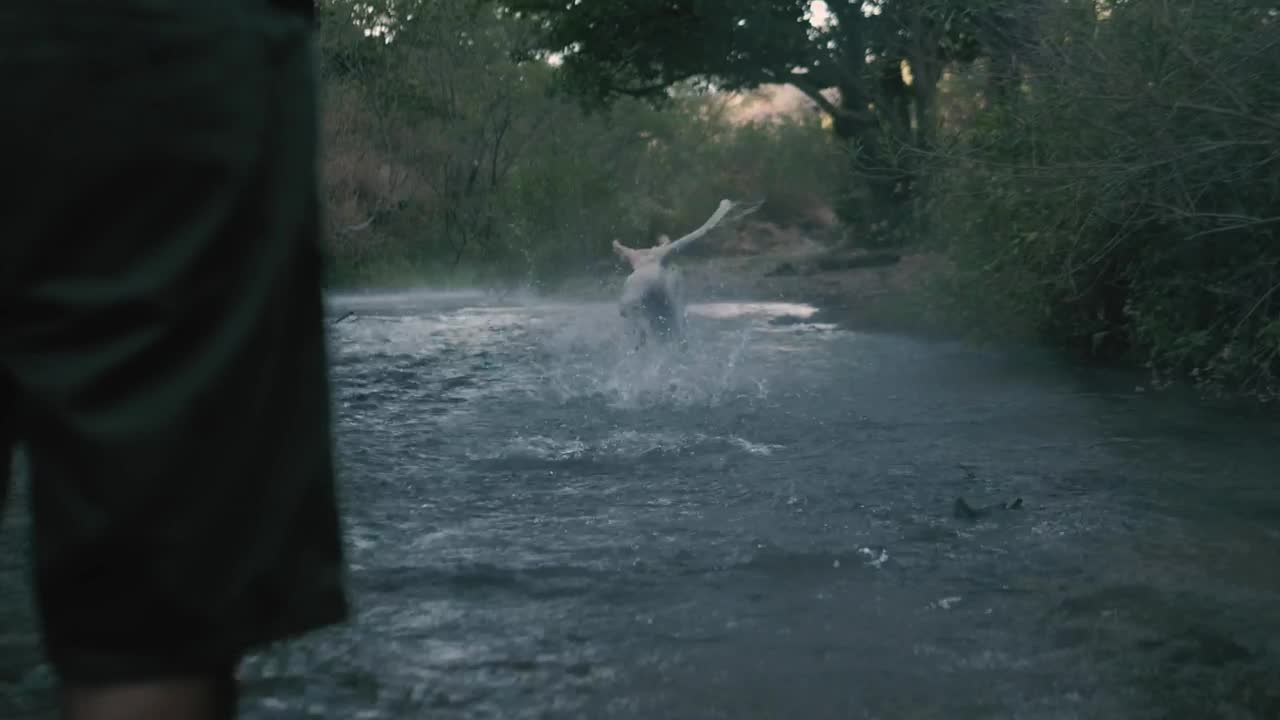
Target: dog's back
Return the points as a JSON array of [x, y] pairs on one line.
[[653, 303]]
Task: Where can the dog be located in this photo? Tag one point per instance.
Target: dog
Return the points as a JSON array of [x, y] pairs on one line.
[[652, 302]]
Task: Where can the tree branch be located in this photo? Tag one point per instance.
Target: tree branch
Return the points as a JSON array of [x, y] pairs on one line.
[[814, 93], [643, 91]]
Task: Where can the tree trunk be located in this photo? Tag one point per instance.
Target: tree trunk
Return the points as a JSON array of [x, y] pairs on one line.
[[879, 204], [927, 72], [895, 101]]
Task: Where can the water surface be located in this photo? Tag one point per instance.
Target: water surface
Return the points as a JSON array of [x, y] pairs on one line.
[[542, 524]]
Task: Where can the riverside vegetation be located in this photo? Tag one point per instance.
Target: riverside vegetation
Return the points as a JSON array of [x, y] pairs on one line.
[[1100, 175]]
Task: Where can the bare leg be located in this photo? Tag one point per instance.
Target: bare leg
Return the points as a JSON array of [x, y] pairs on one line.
[[211, 697]]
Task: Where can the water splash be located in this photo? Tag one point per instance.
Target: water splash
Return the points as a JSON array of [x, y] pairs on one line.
[[590, 357], [565, 352]]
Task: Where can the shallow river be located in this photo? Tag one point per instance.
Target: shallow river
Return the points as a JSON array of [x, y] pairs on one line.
[[543, 525]]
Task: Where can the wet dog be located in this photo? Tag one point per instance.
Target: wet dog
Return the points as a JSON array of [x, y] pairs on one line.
[[652, 302]]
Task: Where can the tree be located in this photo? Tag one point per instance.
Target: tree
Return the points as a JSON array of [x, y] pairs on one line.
[[849, 58], [447, 157], [449, 114]]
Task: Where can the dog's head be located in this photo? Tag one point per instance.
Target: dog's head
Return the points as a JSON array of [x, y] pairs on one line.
[[643, 257]]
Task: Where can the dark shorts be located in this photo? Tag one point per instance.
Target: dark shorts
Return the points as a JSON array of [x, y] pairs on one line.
[[162, 339]]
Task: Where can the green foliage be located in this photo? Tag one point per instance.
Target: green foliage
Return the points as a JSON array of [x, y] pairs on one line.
[[444, 153], [1126, 199], [642, 48]]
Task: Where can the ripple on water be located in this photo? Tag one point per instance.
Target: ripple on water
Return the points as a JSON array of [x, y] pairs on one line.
[[616, 445], [543, 520]]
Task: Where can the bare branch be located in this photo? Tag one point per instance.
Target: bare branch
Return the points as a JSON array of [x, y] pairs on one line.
[[1237, 114]]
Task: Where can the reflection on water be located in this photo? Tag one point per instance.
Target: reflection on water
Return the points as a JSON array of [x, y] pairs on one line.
[[766, 310], [545, 523]]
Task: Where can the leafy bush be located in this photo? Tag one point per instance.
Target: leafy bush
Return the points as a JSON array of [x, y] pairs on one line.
[[1126, 201]]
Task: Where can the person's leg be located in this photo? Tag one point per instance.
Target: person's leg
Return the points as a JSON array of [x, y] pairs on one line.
[[164, 327], [208, 697], [7, 413]]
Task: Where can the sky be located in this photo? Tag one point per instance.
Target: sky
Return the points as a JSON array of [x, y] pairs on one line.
[[818, 13]]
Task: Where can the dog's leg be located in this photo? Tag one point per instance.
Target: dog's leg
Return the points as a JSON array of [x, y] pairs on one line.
[[633, 326]]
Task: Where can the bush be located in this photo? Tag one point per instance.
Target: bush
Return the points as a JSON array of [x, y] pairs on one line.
[[1126, 201]]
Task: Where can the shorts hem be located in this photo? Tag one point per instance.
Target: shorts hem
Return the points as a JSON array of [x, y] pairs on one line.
[[81, 667]]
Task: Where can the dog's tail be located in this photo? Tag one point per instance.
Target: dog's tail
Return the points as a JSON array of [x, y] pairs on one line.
[[741, 210], [726, 208]]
